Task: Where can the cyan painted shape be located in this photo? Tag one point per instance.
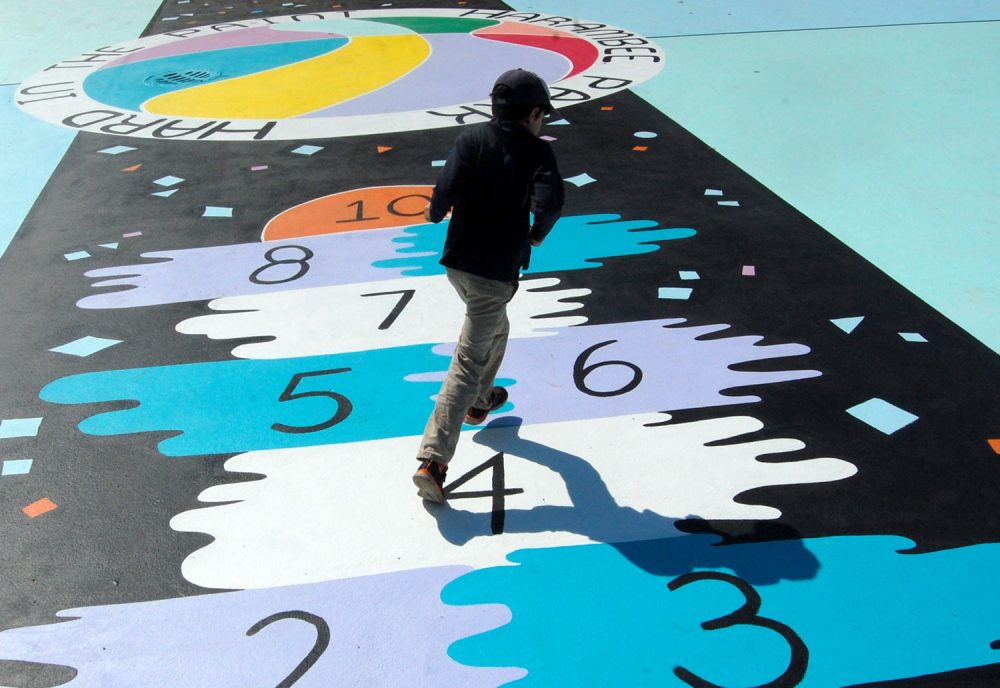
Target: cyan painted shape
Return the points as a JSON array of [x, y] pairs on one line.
[[127, 87], [604, 615], [575, 243], [231, 406]]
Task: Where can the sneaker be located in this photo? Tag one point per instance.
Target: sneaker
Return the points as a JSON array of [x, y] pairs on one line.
[[429, 480], [498, 397]]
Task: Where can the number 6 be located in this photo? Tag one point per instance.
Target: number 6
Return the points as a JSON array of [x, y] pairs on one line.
[[581, 371]]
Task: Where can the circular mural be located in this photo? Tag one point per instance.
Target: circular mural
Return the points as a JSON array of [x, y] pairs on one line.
[[330, 74]]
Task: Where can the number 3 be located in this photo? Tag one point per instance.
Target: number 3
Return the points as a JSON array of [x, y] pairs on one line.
[[746, 615]]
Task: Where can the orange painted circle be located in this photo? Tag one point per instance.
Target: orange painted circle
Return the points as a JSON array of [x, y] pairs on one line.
[[375, 207]]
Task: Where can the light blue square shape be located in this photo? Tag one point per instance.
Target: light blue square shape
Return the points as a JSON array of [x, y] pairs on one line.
[[689, 275], [581, 179], [16, 467], [882, 415], [19, 427], [85, 346], [307, 149], [116, 150], [169, 180], [682, 293]]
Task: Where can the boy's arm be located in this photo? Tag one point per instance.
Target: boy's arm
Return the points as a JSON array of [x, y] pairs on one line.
[[452, 180], [546, 200]]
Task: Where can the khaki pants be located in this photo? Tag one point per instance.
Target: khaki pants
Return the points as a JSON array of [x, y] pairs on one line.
[[473, 369]]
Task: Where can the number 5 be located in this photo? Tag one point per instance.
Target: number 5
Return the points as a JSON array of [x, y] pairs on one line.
[[344, 406]]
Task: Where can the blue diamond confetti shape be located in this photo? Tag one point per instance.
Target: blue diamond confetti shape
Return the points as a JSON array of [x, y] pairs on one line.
[[117, 150], [19, 427], [683, 293], [581, 179], [85, 346], [16, 467], [882, 415]]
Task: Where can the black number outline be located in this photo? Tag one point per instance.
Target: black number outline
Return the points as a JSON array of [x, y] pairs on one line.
[[746, 616], [498, 493], [344, 406], [581, 371], [391, 205], [319, 647], [360, 215], [271, 262], [406, 298]]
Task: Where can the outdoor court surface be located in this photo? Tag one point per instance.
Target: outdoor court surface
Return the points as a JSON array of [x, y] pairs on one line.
[[754, 429]]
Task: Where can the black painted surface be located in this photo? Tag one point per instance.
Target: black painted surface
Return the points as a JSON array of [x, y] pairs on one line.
[[936, 481]]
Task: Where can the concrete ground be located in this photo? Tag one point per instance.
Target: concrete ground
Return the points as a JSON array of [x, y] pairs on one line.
[[754, 426]]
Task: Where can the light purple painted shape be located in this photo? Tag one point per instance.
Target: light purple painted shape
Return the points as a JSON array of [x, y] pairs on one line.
[[445, 78], [263, 35], [679, 370], [385, 630], [207, 273]]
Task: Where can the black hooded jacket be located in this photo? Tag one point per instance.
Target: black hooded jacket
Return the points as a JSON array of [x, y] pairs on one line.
[[496, 174]]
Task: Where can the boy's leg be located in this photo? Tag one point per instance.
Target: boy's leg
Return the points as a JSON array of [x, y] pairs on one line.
[[478, 354], [497, 350]]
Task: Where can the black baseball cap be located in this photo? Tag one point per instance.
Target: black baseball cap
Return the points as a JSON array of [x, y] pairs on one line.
[[526, 88]]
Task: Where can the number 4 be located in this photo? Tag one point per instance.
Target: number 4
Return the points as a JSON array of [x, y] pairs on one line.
[[499, 492]]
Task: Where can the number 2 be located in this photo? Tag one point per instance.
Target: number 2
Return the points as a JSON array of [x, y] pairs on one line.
[[322, 641]]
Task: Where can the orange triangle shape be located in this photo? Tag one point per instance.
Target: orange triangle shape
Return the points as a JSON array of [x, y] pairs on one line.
[[133, 168], [996, 445], [383, 149]]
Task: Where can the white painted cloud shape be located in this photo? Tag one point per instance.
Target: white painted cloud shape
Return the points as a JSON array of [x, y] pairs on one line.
[[371, 315], [332, 511]]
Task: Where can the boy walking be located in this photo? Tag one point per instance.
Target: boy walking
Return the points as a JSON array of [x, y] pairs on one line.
[[497, 174]]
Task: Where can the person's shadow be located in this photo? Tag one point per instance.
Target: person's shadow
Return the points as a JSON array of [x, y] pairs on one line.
[[648, 539]]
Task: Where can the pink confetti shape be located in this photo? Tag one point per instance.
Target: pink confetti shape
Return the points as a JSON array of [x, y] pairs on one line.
[[131, 234]]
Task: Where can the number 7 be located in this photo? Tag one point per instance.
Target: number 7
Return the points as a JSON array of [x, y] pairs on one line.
[[407, 296]]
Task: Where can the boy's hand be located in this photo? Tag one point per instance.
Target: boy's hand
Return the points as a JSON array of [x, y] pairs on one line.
[[536, 242], [427, 212]]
